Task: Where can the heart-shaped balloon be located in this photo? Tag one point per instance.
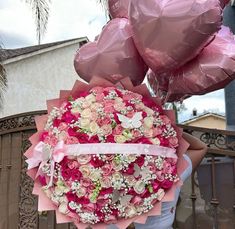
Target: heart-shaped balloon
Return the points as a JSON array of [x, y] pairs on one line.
[[113, 56], [118, 8], [213, 69], [169, 33]]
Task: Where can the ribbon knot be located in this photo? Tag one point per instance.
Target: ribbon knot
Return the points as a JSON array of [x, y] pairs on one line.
[[42, 153]]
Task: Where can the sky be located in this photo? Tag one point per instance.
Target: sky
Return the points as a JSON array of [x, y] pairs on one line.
[[72, 19]]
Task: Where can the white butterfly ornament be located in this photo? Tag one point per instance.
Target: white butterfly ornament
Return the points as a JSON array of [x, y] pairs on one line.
[[131, 123]]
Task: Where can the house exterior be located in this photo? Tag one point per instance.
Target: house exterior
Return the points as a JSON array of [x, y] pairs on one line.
[[207, 120], [37, 73]]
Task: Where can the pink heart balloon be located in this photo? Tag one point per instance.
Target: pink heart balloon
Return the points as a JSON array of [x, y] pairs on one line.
[[168, 33], [213, 69], [224, 3], [113, 56], [118, 8]]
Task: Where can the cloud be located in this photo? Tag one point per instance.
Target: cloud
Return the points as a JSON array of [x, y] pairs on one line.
[[211, 102], [13, 40], [68, 19]]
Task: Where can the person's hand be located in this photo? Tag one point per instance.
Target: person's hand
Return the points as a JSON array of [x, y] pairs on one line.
[[196, 150]]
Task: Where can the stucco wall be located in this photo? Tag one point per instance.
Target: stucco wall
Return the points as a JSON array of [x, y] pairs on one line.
[[33, 80], [209, 122]]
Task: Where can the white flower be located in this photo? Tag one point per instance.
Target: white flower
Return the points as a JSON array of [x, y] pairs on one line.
[[90, 98], [148, 122], [160, 194], [95, 175], [63, 208], [84, 123], [139, 187]]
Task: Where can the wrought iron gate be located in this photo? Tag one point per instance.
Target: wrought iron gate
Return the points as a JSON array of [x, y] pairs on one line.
[[18, 207]]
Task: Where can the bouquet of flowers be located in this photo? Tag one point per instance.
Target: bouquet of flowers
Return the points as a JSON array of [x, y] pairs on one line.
[[105, 154]]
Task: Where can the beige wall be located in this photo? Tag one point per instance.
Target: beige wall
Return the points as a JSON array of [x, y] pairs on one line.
[[33, 80], [209, 122]]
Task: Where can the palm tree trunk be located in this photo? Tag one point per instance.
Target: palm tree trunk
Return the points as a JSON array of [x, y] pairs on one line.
[[229, 20]]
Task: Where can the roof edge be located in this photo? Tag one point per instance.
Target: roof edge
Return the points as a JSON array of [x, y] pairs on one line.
[[44, 50], [203, 116]]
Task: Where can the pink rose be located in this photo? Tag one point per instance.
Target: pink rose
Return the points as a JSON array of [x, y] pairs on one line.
[[106, 182], [83, 200], [136, 133], [155, 185], [85, 182], [110, 139], [56, 122], [166, 184], [140, 161], [97, 90], [173, 142], [163, 141], [105, 191], [157, 131], [107, 169], [52, 141], [62, 126], [136, 200], [101, 202], [83, 159], [99, 97], [167, 168], [44, 135], [73, 164], [109, 109], [104, 121], [89, 207], [130, 170], [71, 140], [143, 140], [94, 139], [67, 117], [165, 119], [106, 129], [118, 130], [96, 162], [160, 176], [119, 107], [109, 157], [172, 161], [94, 116], [148, 133], [152, 167]]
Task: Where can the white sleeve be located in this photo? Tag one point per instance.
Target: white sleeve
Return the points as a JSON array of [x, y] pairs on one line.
[[189, 169]]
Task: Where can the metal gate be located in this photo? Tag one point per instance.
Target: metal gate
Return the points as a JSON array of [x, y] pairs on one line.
[[18, 207]]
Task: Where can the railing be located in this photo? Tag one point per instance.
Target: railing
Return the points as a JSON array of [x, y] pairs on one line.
[[214, 181]]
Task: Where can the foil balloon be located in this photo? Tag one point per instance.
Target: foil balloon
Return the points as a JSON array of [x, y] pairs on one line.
[[113, 56], [170, 33], [118, 8], [224, 3], [213, 69]]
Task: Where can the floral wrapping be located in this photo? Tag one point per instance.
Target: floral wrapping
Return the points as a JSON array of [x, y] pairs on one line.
[[105, 154]]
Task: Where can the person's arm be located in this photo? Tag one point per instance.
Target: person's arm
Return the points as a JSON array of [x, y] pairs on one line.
[[196, 150]]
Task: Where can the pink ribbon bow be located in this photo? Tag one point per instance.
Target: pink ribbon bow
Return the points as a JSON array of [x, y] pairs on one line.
[[41, 154]]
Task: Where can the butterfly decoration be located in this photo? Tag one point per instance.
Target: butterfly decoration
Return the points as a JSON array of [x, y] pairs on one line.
[[131, 123]]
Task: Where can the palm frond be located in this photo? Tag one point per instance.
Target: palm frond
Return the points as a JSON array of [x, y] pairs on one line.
[[104, 4], [3, 81], [40, 9]]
